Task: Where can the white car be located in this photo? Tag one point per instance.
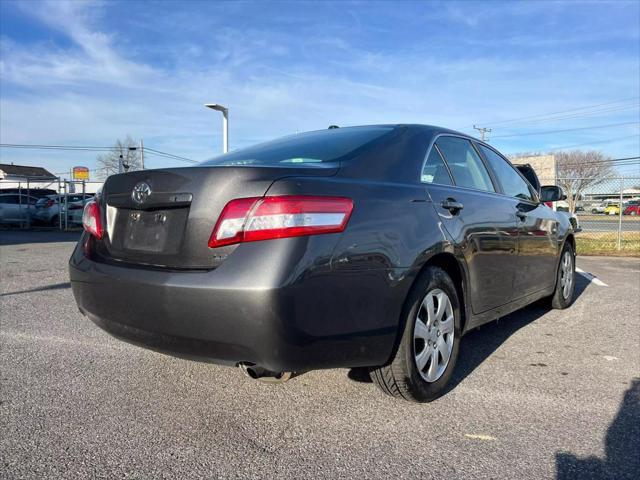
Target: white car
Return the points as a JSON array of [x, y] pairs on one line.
[[75, 212]]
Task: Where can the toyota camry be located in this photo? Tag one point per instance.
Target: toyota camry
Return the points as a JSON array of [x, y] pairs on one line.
[[372, 246]]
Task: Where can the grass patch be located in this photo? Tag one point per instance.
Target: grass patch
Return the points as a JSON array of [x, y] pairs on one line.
[[606, 243]]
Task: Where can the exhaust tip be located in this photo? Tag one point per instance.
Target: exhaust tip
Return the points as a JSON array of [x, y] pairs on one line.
[[262, 374]]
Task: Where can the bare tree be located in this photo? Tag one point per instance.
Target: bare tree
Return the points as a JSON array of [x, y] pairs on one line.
[[129, 150], [580, 170]]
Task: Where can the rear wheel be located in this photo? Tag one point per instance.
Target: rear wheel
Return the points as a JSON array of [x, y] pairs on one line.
[[55, 221], [563, 295], [428, 350]]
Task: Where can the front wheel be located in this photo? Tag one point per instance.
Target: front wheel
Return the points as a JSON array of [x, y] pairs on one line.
[[428, 350], [563, 295]]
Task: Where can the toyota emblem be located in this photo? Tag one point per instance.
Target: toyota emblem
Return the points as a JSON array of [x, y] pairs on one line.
[[141, 192]]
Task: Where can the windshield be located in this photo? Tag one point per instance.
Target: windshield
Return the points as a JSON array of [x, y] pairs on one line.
[[311, 149]]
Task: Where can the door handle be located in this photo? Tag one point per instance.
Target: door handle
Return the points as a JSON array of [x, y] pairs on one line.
[[452, 205]]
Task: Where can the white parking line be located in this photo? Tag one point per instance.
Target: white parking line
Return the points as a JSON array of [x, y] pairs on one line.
[[591, 278]]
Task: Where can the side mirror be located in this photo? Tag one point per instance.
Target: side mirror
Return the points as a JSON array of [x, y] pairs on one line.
[[551, 193]]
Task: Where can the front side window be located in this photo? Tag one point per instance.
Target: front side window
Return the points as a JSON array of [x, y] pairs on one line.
[[434, 170], [512, 183], [465, 164]]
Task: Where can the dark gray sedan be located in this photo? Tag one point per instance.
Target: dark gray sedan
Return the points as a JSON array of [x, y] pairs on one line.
[[374, 246]]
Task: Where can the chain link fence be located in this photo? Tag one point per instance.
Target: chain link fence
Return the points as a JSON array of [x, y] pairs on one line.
[[606, 209], [51, 204]]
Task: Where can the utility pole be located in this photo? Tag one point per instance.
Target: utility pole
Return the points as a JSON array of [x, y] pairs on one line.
[[141, 155], [482, 131]]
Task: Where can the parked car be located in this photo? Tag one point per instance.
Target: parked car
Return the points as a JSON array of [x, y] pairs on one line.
[[15, 209], [375, 246], [48, 210], [33, 192], [599, 208], [75, 211], [573, 219], [612, 209], [632, 208], [531, 176]]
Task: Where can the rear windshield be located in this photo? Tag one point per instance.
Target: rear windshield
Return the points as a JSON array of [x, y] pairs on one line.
[[311, 149]]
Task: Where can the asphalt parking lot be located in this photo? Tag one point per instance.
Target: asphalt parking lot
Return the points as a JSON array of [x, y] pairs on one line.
[[539, 394]]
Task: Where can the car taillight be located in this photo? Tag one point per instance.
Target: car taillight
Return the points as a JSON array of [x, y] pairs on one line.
[[91, 219], [49, 203], [265, 218]]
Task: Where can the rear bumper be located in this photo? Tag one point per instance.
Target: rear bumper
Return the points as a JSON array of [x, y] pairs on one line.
[[281, 321]]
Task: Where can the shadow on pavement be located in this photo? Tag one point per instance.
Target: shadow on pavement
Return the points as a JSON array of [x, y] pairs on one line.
[[622, 446], [55, 286], [477, 345], [19, 237]]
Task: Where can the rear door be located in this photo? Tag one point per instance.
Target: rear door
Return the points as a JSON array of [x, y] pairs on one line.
[[481, 223], [537, 227]]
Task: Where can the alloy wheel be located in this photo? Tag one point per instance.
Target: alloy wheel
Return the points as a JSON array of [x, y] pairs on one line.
[[566, 274], [433, 335]]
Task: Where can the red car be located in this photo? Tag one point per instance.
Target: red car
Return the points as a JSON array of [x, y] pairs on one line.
[[633, 208]]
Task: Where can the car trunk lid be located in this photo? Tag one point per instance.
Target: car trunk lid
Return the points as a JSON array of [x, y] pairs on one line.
[[164, 218]]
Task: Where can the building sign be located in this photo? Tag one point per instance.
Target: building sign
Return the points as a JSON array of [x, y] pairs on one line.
[[80, 173]]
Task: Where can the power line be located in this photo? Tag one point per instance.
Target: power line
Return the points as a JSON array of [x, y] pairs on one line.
[[170, 155], [573, 111], [564, 130], [55, 147], [595, 142], [91, 149]]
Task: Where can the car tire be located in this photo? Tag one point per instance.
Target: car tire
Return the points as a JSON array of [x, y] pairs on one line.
[[564, 294], [594, 211], [55, 221], [433, 303]]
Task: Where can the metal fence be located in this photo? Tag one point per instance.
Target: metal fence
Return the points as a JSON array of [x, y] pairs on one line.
[[606, 209], [19, 206]]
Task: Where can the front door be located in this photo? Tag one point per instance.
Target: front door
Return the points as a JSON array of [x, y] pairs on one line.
[[537, 248], [537, 228]]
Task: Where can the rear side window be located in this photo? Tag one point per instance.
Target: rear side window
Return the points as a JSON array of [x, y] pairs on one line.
[[434, 170], [310, 149], [465, 164], [511, 182]]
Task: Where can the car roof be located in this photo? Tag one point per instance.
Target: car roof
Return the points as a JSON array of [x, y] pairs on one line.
[[414, 127]]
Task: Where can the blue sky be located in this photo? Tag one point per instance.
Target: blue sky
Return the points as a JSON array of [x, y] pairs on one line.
[[87, 73]]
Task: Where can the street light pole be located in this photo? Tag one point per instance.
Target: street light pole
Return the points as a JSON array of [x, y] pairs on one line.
[[225, 123]]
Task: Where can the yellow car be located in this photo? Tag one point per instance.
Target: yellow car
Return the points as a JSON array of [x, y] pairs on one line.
[[612, 210]]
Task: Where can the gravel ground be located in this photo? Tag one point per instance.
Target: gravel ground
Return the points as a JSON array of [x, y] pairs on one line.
[[539, 394]]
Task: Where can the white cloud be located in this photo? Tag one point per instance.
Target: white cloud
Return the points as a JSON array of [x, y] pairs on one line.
[[95, 91]]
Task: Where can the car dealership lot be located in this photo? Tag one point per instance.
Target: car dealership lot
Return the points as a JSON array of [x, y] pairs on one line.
[[540, 394]]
